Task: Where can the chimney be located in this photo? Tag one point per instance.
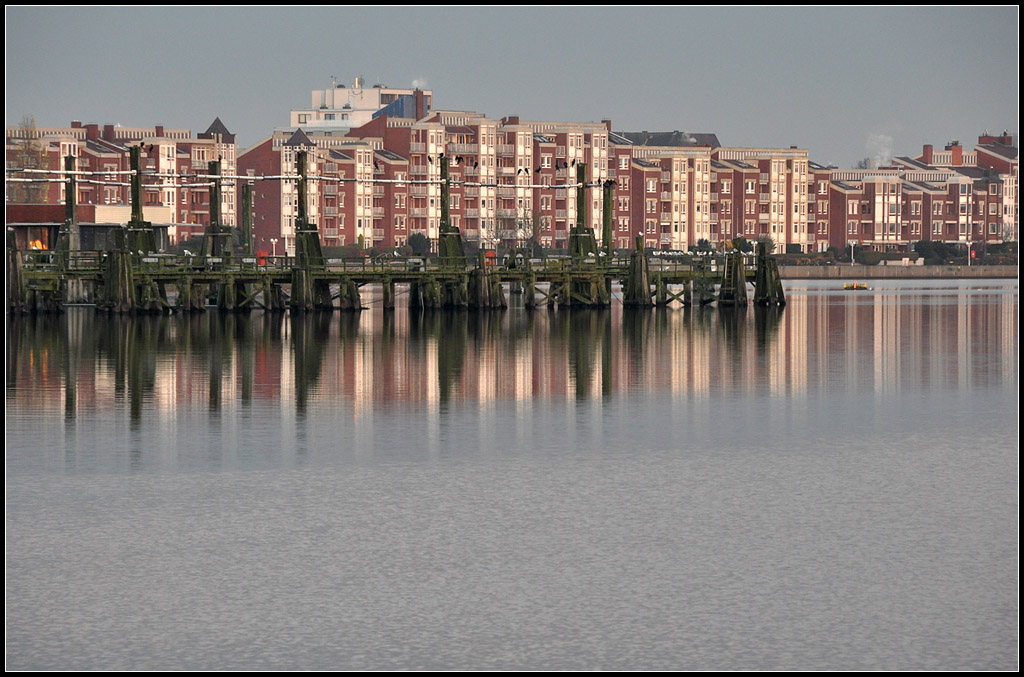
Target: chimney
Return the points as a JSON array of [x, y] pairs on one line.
[[92, 132], [926, 154], [108, 133], [159, 130], [421, 104], [608, 125], [76, 124], [958, 152]]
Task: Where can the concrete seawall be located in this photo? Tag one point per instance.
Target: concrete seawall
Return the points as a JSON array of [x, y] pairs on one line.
[[860, 272]]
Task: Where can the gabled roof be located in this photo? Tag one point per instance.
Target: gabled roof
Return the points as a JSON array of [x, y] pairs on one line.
[[298, 138], [217, 127]]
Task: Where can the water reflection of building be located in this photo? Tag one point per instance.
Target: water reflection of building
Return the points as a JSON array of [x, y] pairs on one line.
[[353, 365]]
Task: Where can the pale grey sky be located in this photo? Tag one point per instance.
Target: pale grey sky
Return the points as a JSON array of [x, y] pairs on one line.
[[844, 83]]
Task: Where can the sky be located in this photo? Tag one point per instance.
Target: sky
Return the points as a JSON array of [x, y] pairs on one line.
[[845, 83]]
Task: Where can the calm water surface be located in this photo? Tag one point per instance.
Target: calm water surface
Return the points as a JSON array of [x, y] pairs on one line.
[[832, 486]]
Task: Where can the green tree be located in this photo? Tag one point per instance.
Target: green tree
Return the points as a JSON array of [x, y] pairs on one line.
[[742, 244], [419, 243]]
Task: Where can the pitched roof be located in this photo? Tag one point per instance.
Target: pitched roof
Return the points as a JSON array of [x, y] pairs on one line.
[[674, 139], [1008, 152], [299, 138], [217, 127]]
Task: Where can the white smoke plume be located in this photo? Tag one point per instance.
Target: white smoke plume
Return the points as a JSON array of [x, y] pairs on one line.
[[419, 83], [880, 148]]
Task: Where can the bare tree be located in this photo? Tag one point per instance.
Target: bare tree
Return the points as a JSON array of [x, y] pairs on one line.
[[28, 153]]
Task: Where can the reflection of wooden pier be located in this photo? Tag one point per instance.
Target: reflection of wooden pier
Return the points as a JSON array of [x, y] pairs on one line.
[[132, 277]]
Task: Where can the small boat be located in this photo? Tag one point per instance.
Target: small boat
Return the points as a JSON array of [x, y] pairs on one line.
[[855, 286]]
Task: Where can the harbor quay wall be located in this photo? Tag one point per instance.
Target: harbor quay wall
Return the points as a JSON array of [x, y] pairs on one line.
[[861, 272]]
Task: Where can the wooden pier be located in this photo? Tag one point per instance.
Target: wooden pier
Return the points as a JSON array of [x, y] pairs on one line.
[[119, 281], [132, 277]]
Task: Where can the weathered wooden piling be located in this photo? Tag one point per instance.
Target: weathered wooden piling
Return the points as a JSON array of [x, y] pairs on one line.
[[348, 296], [733, 290], [17, 293], [69, 238], [309, 291], [191, 296], [767, 282], [118, 293], [636, 288]]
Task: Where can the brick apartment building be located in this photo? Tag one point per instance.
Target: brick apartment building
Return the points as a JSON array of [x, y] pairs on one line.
[[375, 157], [173, 195]]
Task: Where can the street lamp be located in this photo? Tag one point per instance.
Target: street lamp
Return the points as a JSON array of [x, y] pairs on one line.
[[273, 243], [851, 252]]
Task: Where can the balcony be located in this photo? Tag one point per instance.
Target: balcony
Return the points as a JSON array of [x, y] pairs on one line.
[[506, 149], [463, 149], [417, 147], [506, 171], [418, 170], [506, 191]]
